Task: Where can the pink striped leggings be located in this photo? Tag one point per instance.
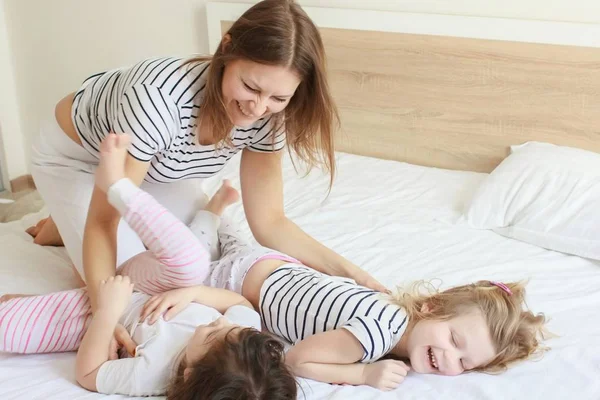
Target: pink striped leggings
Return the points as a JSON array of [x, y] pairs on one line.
[[175, 258]]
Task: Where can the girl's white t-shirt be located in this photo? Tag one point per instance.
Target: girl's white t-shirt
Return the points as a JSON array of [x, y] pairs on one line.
[[160, 346]]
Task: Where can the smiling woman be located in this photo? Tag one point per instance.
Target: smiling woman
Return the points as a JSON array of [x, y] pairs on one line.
[[252, 90], [279, 66], [264, 87]]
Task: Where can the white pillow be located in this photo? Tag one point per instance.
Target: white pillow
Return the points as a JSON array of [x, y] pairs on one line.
[[545, 195]]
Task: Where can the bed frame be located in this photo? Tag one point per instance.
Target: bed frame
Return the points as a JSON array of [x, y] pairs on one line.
[[450, 91]]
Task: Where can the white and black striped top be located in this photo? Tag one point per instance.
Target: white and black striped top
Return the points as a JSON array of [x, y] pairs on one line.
[[297, 302], [157, 102]]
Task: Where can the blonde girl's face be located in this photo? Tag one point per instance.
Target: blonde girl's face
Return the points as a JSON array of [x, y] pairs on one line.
[[252, 90], [450, 347]]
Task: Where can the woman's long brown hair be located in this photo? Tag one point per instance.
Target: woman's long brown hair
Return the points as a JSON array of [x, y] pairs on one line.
[[278, 32]]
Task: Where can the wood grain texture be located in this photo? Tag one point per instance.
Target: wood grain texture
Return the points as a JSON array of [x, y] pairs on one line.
[[459, 103]]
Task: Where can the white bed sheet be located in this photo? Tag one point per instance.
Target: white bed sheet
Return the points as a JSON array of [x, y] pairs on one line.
[[400, 222]]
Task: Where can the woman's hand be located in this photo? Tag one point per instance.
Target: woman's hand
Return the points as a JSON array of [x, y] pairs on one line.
[[363, 278], [174, 301]]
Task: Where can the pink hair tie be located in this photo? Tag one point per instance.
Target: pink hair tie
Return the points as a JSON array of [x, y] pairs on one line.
[[502, 286]]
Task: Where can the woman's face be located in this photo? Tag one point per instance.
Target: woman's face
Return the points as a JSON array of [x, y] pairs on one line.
[[252, 90]]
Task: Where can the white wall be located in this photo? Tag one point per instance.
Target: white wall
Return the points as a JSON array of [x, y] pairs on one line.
[[548, 10], [56, 44], [12, 155]]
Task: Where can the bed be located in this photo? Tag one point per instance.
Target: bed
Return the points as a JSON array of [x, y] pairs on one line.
[[416, 144]]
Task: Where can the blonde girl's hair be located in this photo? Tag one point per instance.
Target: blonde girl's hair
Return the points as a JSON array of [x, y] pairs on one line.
[[515, 331]]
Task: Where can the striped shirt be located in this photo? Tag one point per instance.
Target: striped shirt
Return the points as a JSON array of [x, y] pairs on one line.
[[157, 102], [297, 302]]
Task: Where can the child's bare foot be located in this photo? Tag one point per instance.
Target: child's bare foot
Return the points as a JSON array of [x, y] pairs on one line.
[[225, 196], [113, 153]]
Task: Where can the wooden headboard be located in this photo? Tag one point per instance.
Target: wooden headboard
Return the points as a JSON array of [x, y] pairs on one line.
[[453, 92]]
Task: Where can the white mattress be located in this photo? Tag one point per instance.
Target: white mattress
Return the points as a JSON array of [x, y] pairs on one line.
[[397, 221]]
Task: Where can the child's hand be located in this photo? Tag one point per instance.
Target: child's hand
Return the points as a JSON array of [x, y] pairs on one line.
[[121, 339], [174, 301], [114, 294], [385, 374]]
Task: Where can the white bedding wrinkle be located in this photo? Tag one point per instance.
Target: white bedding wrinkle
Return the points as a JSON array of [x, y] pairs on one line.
[[397, 221]]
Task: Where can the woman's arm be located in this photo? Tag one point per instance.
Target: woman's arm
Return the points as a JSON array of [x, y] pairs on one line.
[[100, 234], [262, 195], [142, 112], [219, 299]]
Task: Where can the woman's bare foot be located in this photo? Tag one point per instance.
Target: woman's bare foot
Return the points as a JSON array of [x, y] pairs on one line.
[[45, 233], [35, 230], [8, 297], [113, 153], [225, 196]]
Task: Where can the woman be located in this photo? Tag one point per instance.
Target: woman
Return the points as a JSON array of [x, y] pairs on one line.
[[265, 85]]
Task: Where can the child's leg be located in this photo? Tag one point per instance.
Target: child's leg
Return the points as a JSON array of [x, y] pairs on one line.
[[176, 256], [231, 240], [44, 324], [205, 226], [207, 221], [238, 255], [152, 276], [235, 252], [165, 266]]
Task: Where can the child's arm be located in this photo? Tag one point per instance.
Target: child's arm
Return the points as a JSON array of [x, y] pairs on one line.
[[176, 300], [113, 296], [219, 299], [328, 357], [333, 357], [93, 352]]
